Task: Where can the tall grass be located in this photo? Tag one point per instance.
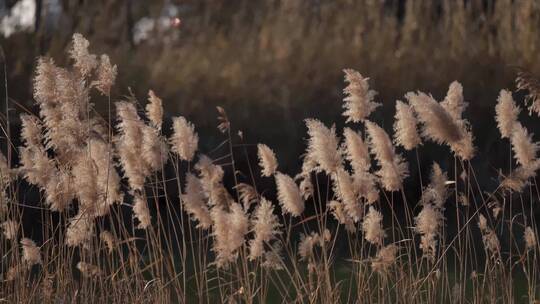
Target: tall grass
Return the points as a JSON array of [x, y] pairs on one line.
[[108, 208]]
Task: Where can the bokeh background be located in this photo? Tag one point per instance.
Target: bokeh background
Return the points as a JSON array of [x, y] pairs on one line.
[[272, 63]]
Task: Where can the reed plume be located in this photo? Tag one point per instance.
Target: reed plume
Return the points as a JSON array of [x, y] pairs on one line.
[[524, 148], [84, 61], [229, 229], [154, 110], [307, 244], [441, 126], [372, 227], [385, 258], [323, 146], [345, 190], [338, 211], [359, 100], [30, 252], [519, 177], [10, 229], [356, 151], [106, 76], [267, 160], [405, 131], [194, 202], [428, 222], [247, 194], [184, 140], [526, 81], [141, 212], [454, 103], [109, 239], [393, 169], [80, 229], [436, 192], [289, 195], [266, 226], [506, 113]]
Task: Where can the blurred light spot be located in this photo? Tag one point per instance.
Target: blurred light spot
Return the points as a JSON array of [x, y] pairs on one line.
[[176, 22]]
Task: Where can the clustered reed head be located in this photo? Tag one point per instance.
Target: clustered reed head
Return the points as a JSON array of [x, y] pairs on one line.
[[524, 148], [393, 169], [229, 230], [406, 134], [267, 160], [289, 195], [506, 113], [527, 82], [195, 202], [323, 146], [154, 110], [372, 227], [30, 252], [385, 258], [266, 226], [347, 193], [442, 122], [184, 140], [10, 229], [359, 101]]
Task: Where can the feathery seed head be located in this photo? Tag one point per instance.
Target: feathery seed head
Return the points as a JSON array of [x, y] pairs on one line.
[[108, 238], [439, 125], [506, 113], [194, 202], [428, 222], [289, 195], [267, 160], [356, 151], [45, 81], [359, 100], [229, 230], [453, 103], [372, 227], [84, 61], [266, 226], [154, 110], [106, 76], [436, 192], [323, 146], [141, 212], [344, 189], [30, 252], [80, 230], [184, 140], [338, 211], [524, 148], [31, 132], [10, 229], [393, 169], [406, 134], [385, 258]]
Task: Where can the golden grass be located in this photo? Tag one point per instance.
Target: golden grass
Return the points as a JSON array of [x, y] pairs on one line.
[[108, 209]]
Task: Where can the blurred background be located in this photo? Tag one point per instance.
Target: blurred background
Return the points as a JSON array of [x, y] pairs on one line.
[[272, 63]]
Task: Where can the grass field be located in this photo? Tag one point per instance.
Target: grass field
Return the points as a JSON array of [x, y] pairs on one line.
[[107, 208]]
